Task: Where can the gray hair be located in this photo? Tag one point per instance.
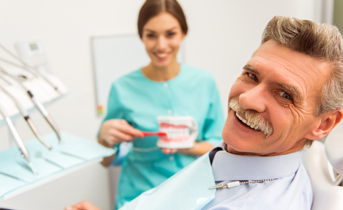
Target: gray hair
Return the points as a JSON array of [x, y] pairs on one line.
[[319, 41]]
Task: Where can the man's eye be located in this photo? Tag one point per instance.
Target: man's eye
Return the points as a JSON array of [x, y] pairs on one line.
[[252, 76], [285, 95]]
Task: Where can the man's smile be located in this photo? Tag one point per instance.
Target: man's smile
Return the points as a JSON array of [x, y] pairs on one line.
[[250, 118], [241, 126], [246, 123]]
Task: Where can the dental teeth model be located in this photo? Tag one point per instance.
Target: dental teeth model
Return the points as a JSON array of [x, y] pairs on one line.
[[181, 132]]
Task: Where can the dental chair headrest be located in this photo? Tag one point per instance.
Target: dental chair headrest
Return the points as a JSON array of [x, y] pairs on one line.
[[334, 152]]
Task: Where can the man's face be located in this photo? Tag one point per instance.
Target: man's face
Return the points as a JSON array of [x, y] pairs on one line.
[[281, 88]]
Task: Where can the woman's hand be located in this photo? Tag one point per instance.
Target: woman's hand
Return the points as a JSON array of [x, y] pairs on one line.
[[83, 205], [116, 131], [199, 148]]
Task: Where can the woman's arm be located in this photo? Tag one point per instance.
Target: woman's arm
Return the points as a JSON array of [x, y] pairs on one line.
[[114, 128]]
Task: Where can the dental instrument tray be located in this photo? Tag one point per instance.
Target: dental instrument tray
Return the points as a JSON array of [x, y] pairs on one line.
[[73, 154]]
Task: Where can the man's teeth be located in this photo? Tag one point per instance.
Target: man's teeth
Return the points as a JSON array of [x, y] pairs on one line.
[[247, 123], [161, 55]]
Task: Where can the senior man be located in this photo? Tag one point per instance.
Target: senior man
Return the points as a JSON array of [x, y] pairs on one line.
[[289, 93]]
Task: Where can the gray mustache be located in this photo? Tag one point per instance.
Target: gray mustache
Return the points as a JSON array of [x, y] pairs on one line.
[[253, 118]]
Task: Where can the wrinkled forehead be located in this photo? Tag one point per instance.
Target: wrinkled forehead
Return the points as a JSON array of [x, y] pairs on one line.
[[288, 66], [296, 60]]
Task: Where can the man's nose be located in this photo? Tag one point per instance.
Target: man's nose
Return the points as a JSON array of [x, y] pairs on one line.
[[254, 99]]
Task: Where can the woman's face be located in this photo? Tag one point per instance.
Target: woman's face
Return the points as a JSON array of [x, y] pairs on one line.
[[162, 36]]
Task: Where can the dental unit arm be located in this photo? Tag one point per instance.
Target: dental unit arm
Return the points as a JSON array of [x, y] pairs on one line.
[[46, 115], [25, 115], [30, 69], [37, 103]]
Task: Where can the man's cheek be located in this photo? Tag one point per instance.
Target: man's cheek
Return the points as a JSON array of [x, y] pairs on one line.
[[296, 116], [237, 89]]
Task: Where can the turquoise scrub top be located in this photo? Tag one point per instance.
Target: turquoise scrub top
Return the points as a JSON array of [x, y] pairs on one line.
[[139, 101]]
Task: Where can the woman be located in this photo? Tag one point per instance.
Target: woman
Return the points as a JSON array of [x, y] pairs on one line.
[[162, 88]]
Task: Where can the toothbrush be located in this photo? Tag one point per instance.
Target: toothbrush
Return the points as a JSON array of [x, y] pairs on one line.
[[154, 133]]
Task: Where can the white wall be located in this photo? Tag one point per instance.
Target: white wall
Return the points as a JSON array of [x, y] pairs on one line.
[[222, 36]]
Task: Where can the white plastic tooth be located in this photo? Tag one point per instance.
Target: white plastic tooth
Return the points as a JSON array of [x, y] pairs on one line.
[[173, 132], [176, 132]]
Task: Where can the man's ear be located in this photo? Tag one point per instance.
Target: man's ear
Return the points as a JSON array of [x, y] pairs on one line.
[[327, 123]]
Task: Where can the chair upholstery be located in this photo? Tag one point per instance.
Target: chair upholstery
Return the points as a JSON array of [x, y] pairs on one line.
[[334, 152], [326, 195]]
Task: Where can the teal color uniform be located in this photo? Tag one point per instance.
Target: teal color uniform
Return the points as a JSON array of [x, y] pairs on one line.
[[139, 101]]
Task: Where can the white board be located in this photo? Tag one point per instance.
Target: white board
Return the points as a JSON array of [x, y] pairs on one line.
[[115, 56]]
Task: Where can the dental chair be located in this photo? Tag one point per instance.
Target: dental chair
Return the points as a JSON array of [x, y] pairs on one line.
[[320, 160]]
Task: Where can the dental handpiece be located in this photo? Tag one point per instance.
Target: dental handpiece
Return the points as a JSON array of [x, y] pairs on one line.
[[27, 118], [19, 142], [39, 106], [46, 115]]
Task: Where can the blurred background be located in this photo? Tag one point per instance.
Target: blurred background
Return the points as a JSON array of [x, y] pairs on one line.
[[222, 36]]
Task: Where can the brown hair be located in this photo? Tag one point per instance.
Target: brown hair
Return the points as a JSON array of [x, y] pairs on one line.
[[319, 41], [151, 8]]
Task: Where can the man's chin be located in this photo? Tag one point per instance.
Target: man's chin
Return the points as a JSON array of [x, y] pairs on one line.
[[234, 145], [241, 149], [243, 146]]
